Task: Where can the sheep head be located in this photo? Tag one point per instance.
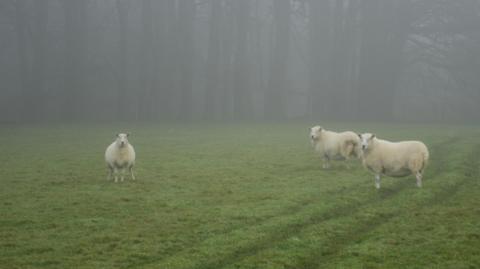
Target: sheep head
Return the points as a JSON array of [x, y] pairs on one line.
[[122, 139], [315, 132], [366, 140]]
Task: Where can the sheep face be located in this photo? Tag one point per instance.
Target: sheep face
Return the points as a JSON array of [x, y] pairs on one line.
[[315, 133], [366, 140], [122, 140]]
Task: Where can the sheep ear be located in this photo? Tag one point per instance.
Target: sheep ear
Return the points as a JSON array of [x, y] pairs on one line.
[[117, 135], [128, 134], [359, 135], [373, 136]]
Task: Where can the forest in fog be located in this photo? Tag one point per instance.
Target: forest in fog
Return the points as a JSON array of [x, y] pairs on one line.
[[239, 60]]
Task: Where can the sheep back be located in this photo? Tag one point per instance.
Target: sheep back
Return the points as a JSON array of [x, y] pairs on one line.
[[396, 159], [338, 145]]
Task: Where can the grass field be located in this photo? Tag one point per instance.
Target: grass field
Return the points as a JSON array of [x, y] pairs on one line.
[[232, 196]]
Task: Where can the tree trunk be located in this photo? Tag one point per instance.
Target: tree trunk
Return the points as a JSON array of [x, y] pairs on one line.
[[213, 61], [241, 88], [185, 22], [275, 100], [75, 57], [123, 105], [164, 65], [319, 30], [145, 101], [226, 53], [384, 33], [352, 42], [337, 98], [39, 42], [23, 72]]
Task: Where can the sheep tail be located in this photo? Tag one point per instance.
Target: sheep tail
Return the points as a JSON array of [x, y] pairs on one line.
[[425, 156], [353, 149], [420, 161]]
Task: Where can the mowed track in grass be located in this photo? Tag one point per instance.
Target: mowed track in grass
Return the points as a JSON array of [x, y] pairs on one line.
[[233, 196]]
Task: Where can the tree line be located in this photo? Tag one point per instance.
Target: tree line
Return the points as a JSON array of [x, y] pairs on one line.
[[219, 60]]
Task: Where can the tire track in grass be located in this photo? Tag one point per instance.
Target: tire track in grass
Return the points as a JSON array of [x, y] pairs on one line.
[[362, 230], [284, 232], [146, 260], [328, 215], [291, 210]]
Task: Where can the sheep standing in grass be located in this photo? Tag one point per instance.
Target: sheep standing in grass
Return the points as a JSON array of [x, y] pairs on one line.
[[334, 146], [119, 156], [393, 159]]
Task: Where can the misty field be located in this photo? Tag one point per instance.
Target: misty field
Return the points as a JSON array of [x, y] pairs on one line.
[[232, 196]]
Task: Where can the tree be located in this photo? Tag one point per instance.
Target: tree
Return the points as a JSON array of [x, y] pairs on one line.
[[39, 42], [385, 27], [227, 53], [23, 72], [241, 91], [213, 61], [319, 47], [275, 100], [147, 61], [75, 57], [185, 54], [123, 105], [164, 60]]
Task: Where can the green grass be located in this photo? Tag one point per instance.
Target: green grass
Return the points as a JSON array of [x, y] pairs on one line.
[[233, 196]]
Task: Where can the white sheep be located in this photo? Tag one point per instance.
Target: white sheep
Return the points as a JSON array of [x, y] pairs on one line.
[[395, 159], [119, 156], [334, 146]]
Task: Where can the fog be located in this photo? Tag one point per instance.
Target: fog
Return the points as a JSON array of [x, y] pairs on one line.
[[239, 60]]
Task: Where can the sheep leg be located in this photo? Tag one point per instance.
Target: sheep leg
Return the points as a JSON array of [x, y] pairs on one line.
[[346, 162], [377, 181], [347, 154], [418, 175], [110, 173], [326, 162], [115, 171], [131, 172], [122, 176]]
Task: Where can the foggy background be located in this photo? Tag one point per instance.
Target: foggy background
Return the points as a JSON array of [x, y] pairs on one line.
[[227, 60]]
